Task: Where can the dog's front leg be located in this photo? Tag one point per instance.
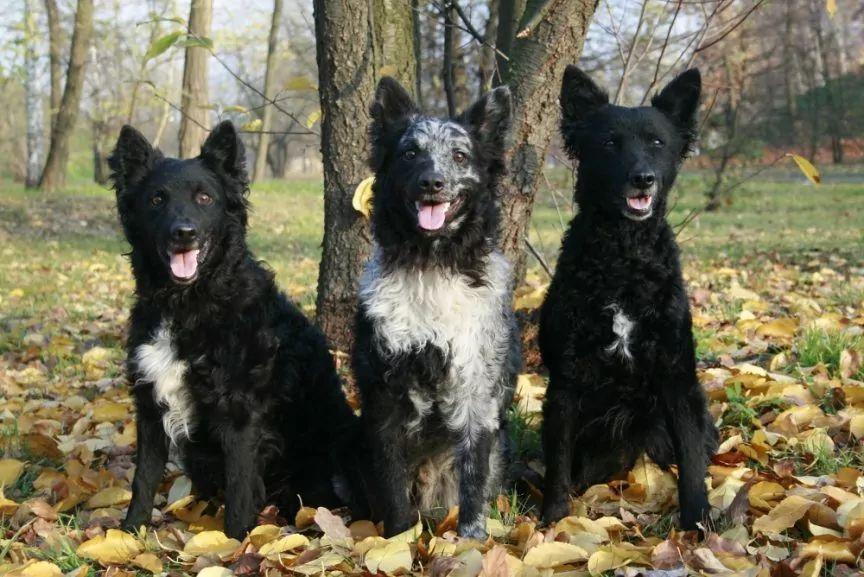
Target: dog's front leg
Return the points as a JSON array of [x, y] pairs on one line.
[[689, 425], [473, 458], [152, 455], [390, 467], [242, 478], [558, 438]]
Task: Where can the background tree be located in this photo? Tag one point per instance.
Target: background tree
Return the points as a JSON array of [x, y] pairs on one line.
[[195, 96], [54, 174], [269, 85], [55, 56], [547, 37], [351, 54], [35, 142]]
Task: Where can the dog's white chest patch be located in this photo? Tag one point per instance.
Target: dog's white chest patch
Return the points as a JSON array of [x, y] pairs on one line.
[[411, 309], [622, 326], [158, 364]]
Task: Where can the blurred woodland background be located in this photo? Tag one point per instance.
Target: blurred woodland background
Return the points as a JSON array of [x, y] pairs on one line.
[[768, 214]]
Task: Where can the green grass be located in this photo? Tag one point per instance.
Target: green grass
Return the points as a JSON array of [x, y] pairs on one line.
[[63, 237], [791, 218], [817, 346]]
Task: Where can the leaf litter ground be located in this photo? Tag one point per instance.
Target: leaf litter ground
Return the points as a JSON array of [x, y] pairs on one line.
[[780, 351]]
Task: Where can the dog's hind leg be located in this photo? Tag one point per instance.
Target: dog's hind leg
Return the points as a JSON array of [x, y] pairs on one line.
[[244, 486], [150, 462], [559, 423]]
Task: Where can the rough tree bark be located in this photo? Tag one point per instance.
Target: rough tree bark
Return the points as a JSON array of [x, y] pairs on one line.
[[549, 36], [355, 39], [55, 56], [194, 101], [486, 66], [269, 82], [33, 100], [54, 174]]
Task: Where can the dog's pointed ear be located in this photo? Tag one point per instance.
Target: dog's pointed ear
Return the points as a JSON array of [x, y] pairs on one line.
[[679, 99], [132, 159], [489, 119], [224, 151], [391, 112], [580, 96]]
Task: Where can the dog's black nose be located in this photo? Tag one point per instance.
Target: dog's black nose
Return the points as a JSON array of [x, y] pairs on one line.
[[431, 182], [184, 232], [643, 179]]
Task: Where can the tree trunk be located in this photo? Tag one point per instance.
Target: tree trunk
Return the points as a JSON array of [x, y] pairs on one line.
[[418, 57], [33, 100], [555, 33], [353, 44], [55, 56], [269, 81], [486, 66], [54, 175], [194, 101], [447, 73]]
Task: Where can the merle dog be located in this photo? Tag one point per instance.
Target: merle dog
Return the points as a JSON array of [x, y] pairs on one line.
[[436, 353], [224, 367], [615, 328]]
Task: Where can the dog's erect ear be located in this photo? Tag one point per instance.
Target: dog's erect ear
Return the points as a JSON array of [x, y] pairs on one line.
[[489, 119], [680, 98], [132, 159], [580, 96], [223, 150], [391, 111], [392, 106]]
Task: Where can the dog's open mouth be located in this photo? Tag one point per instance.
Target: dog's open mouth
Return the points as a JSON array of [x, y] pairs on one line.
[[640, 205], [432, 215], [184, 264]]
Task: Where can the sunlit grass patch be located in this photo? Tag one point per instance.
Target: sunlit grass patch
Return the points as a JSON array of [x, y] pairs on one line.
[[821, 347]]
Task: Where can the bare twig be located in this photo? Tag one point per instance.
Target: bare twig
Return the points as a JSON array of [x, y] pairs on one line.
[[536, 254], [731, 29], [255, 89]]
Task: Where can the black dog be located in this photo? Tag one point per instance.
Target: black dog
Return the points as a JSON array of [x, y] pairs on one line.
[[436, 353], [223, 365], [615, 329]]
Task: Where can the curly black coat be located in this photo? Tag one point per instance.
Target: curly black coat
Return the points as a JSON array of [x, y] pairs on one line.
[[615, 328], [223, 365]]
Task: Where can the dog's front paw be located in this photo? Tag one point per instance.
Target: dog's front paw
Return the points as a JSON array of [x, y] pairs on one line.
[[238, 528], [694, 511], [474, 529], [555, 510]]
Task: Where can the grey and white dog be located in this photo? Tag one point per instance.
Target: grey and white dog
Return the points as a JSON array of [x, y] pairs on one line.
[[437, 348]]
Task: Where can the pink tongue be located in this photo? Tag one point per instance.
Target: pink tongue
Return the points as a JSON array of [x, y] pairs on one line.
[[184, 264], [639, 202], [432, 216]]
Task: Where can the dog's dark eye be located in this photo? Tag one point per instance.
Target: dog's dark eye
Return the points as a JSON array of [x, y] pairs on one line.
[[203, 199], [657, 142], [157, 199], [609, 143], [409, 155], [460, 157]]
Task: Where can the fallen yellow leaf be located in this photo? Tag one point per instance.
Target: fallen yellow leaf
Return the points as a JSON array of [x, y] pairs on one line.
[[213, 542], [114, 548], [10, 470], [110, 497], [362, 200], [550, 555]]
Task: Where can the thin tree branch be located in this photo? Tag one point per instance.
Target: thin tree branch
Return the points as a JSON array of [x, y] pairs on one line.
[[536, 254]]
